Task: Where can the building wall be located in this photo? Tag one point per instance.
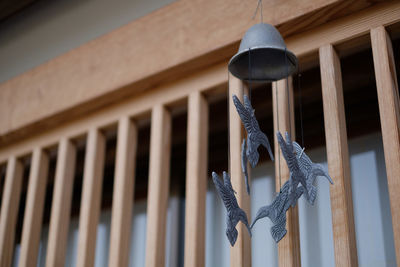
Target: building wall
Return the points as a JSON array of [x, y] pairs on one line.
[[50, 28]]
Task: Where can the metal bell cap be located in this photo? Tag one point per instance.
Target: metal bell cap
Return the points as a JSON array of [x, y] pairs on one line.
[[263, 48]]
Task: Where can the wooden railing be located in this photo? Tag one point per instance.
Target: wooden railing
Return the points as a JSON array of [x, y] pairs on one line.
[[196, 89]]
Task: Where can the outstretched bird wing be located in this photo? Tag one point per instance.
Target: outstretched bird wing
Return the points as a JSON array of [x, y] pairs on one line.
[[225, 191], [287, 150], [244, 114]]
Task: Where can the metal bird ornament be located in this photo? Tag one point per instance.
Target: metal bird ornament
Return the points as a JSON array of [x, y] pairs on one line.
[[255, 137], [234, 212], [310, 170], [296, 175], [244, 166], [276, 212]]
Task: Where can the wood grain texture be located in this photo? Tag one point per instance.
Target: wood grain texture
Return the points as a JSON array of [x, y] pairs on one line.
[[124, 182], [87, 76], [196, 180], [338, 158], [301, 44], [157, 197], [9, 210], [33, 215], [283, 110], [389, 110], [91, 197], [61, 205], [241, 252]]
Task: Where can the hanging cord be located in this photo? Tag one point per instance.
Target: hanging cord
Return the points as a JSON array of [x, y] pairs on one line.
[[249, 74], [288, 94], [301, 108], [229, 127], [259, 6], [277, 126]]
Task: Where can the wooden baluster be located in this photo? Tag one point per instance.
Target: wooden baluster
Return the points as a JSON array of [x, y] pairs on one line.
[[289, 246], [91, 197], [338, 158], [196, 180], [122, 205], [157, 197], [33, 216], [241, 252], [388, 97], [9, 210], [61, 206]]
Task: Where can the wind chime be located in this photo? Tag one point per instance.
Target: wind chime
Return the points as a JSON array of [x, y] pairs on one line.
[[263, 57]]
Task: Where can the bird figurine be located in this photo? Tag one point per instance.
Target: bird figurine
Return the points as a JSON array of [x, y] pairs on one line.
[[310, 170], [234, 212], [255, 137], [296, 175], [244, 166], [276, 212]]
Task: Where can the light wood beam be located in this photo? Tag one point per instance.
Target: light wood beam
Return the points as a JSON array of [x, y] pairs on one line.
[[33, 216], [122, 204], [283, 110], [91, 197], [388, 97], [241, 252], [61, 206], [157, 197], [196, 180], [338, 158], [9, 210]]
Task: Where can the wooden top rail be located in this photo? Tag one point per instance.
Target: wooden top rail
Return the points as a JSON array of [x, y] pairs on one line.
[[302, 44]]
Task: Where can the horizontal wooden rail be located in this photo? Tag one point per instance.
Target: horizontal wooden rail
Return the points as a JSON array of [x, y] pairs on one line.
[[302, 44]]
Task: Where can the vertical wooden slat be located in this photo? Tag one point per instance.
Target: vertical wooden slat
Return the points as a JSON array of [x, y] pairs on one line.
[[289, 246], [338, 158], [157, 197], [34, 208], [123, 193], [91, 197], [388, 97], [61, 206], [196, 180], [9, 210], [241, 252]]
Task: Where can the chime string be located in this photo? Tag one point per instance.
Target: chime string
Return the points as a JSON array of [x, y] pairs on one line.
[[277, 126], [288, 94], [301, 108], [249, 74], [229, 124], [259, 6]]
